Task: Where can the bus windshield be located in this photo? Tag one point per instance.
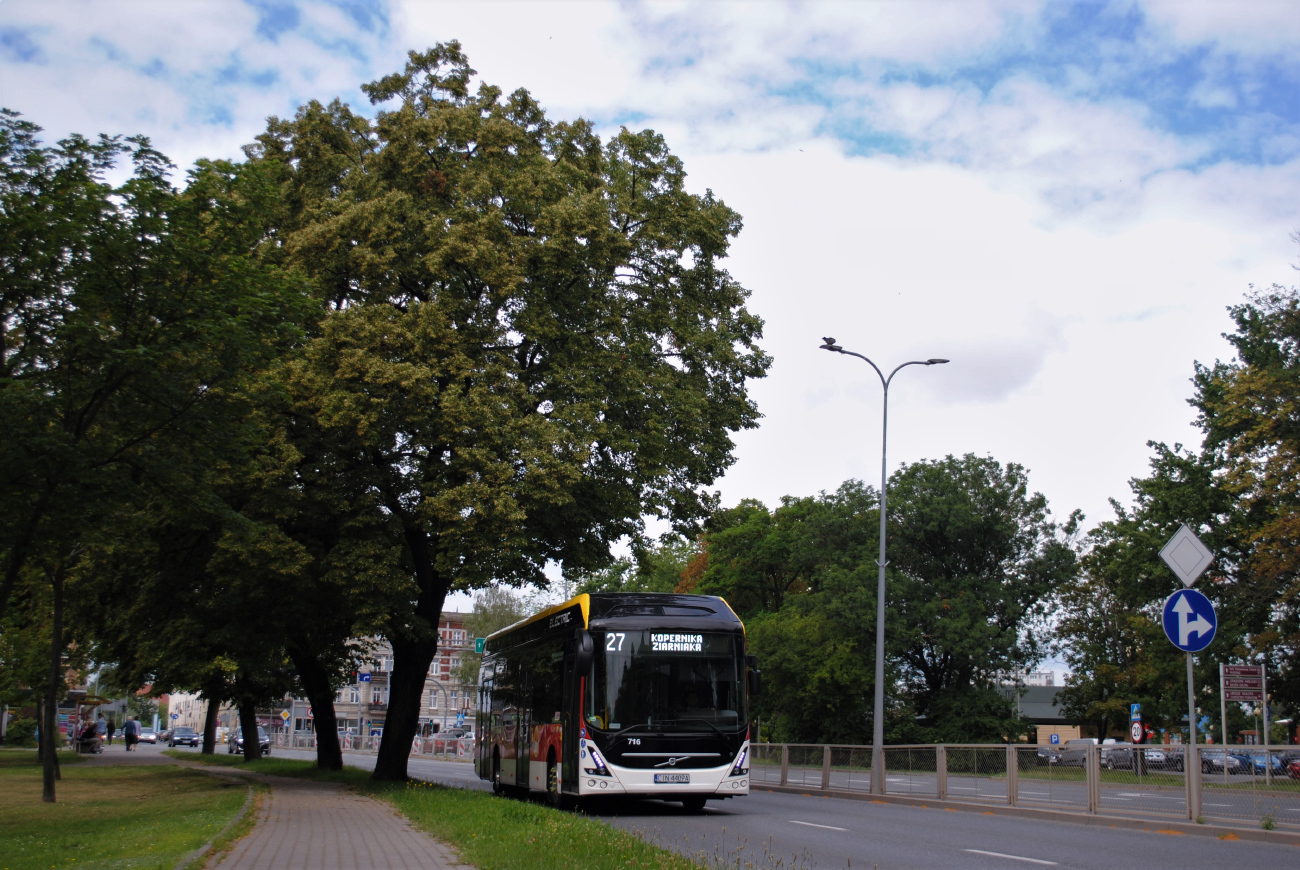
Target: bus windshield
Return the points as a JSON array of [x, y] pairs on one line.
[[666, 680]]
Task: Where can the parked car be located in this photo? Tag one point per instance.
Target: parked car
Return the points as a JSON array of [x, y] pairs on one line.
[[1274, 763], [1074, 751], [148, 735], [1293, 769], [1213, 759], [183, 736], [236, 743]]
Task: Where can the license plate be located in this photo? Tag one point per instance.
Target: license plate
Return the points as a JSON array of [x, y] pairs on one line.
[[673, 777]]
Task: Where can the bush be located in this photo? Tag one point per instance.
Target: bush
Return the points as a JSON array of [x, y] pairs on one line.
[[22, 732]]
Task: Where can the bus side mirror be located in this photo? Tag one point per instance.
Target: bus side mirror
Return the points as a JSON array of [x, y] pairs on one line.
[[755, 683], [584, 652]]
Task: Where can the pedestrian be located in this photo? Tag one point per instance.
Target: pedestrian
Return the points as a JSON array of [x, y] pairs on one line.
[[101, 727], [130, 733], [112, 727]]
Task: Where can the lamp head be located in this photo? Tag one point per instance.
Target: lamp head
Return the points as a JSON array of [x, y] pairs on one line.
[[935, 362], [830, 344]]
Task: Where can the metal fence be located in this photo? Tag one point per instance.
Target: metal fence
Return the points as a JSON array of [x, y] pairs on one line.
[[1117, 779], [445, 748]]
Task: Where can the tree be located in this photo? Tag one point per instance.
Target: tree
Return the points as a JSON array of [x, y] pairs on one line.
[[801, 577], [1109, 628], [974, 559], [530, 343], [128, 312], [1248, 409], [654, 569]]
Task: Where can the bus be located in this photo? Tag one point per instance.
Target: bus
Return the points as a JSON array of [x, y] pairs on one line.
[[618, 694]]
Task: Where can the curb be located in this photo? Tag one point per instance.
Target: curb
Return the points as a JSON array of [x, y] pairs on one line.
[[203, 850], [1157, 825]]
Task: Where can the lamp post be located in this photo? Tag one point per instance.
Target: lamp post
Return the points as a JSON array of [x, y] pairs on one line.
[[878, 716]]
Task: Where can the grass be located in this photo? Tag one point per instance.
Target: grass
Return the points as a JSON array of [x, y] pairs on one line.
[[489, 832], [108, 817]]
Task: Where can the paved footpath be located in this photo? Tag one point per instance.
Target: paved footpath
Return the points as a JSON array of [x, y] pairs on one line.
[[306, 825]]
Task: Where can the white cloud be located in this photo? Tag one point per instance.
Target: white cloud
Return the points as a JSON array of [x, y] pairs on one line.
[[1253, 27]]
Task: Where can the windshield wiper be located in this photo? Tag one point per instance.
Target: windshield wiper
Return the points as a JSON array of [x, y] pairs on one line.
[[715, 728], [623, 731]]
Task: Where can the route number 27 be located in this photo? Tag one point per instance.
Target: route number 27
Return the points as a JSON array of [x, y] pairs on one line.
[[614, 641]]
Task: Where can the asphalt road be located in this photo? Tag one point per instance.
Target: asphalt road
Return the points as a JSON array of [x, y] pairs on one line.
[[1161, 793], [794, 832]]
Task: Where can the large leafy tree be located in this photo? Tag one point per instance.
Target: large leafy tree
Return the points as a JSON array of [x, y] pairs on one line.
[[129, 314], [974, 558], [1249, 409], [530, 342]]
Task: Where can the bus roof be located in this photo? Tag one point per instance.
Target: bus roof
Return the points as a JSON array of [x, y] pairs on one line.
[[601, 605]]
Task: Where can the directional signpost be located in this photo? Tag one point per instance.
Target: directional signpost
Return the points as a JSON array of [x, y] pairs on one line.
[[478, 644], [1189, 623], [1245, 683]]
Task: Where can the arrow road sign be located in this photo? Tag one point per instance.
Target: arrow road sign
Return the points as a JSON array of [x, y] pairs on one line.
[[478, 644], [1186, 556], [1189, 620]]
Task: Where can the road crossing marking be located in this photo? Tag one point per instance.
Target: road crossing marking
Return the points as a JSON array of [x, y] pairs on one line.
[[1012, 857], [812, 825]]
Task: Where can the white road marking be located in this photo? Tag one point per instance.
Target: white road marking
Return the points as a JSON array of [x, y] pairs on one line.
[[812, 825], [1011, 857]]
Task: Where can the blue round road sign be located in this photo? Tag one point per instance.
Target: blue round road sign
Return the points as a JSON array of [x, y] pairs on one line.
[[1189, 620]]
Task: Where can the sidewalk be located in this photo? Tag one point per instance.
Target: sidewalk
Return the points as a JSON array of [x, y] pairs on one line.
[[309, 825], [306, 825]]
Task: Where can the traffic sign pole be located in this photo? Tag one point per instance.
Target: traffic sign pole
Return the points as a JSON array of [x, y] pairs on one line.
[[1192, 762], [1268, 765], [1223, 713]]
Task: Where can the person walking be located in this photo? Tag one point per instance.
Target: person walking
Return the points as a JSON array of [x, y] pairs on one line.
[[130, 733], [112, 728]]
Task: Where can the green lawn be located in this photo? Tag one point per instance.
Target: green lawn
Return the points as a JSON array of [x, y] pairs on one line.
[[490, 832], [108, 817]]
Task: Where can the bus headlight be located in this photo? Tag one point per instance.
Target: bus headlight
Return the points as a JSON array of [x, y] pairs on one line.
[[592, 755], [739, 768]]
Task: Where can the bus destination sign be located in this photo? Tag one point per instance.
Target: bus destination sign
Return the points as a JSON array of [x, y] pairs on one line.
[[673, 642]]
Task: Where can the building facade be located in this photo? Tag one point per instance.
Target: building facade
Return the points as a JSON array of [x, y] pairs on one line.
[[361, 707]]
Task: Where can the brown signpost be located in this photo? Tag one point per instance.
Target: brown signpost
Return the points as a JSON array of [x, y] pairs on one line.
[[1245, 683]]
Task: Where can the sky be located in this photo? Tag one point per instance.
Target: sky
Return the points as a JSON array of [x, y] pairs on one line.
[[1062, 198]]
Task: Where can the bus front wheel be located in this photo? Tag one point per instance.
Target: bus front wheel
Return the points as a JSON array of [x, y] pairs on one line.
[[693, 804], [553, 795]]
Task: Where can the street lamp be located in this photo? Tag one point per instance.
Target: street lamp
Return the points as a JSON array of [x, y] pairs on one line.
[[878, 717]]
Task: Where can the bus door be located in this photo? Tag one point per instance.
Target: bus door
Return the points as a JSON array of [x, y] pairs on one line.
[[523, 730]]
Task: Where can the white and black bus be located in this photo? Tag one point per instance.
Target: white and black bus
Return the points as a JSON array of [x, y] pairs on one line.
[[619, 694]]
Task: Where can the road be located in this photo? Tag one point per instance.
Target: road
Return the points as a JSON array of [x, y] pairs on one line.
[[1161, 793], [811, 832]]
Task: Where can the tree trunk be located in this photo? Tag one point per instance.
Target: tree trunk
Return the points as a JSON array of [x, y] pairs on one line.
[[411, 662], [41, 734], [413, 649], [248, 726], [210, 725], [50, 726], [316, 682]]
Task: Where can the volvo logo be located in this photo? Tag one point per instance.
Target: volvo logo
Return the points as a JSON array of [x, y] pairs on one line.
[[672, 761]]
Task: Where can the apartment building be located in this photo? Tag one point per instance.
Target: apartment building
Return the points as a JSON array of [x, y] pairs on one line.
[[362, 706]]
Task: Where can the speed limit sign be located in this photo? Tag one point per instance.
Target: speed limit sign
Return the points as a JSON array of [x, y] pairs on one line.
[[1137, 732]]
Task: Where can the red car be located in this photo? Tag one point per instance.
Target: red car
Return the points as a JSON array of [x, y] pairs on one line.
[[1293, 769]]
